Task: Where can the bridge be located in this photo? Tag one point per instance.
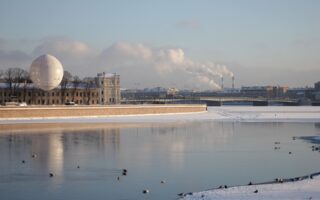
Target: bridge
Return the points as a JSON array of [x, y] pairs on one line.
[[218, 101], [248, 100]]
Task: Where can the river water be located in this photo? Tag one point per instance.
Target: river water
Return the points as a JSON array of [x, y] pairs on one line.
[[186, 156]]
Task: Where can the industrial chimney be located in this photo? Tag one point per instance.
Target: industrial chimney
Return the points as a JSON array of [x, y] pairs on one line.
[[232, 83], [222, 83]]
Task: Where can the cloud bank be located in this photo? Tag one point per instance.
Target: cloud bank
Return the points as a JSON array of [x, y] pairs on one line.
[[139, 65]]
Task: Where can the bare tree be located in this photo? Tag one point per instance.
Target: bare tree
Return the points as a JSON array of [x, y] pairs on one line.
[[14, 77], [1, 73], [67, 77], [26, 81]]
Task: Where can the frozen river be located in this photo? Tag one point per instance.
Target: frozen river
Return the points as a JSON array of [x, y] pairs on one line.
[[187, 152]]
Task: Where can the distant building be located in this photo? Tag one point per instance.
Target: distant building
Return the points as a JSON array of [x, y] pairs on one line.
[[104, 90], [317, 91], [264, 91], [301, 93], [317, 86]]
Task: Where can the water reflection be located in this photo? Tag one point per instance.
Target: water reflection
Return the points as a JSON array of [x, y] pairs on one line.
[[208, 153]]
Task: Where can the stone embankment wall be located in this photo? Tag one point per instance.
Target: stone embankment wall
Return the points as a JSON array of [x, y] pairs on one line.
[[99, 111]]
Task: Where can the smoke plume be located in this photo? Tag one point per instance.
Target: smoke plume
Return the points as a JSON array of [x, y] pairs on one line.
[[167, 63]]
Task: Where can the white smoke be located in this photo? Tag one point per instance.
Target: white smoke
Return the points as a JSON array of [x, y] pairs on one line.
[[165, 62]]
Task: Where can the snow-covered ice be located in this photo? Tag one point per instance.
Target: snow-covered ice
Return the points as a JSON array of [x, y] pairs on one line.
[[305, 189]]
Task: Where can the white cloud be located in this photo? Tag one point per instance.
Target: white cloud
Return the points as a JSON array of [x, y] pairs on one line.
[[64, 47], [137, 63]]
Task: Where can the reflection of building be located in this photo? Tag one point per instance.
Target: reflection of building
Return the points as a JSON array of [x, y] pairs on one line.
[[104, 90], [56, 148]]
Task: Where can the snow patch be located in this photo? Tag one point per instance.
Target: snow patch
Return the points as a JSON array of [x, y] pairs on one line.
[[305, 189]]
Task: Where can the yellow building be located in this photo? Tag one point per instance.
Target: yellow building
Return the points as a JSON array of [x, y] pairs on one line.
[[104, 90]]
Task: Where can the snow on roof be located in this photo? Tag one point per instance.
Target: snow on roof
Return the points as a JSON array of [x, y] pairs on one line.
[[108, 75], [68, 86]]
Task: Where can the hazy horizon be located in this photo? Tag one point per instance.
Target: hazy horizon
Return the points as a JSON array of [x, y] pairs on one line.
[[184, 44]]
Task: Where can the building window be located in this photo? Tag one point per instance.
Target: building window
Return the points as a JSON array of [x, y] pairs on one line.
[[67, 94], [92, 101], [43, 102], [77, 94], [53, 94], [80, 94], [29, 94], [53, 101], [57, 93]]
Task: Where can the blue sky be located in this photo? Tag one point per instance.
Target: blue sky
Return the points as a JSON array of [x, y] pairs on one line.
[[278, 38]]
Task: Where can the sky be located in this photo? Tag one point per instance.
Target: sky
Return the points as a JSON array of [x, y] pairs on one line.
[[187, 44]]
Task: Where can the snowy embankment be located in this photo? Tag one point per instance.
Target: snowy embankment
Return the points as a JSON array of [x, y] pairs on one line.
[[304, 189], [269, 113], [224, 113]]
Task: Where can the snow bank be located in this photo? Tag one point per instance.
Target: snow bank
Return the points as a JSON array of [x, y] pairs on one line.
[[305, 189]]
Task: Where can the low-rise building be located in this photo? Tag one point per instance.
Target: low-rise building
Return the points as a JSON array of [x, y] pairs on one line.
[[265, 91], [104, 90], [317, 86]]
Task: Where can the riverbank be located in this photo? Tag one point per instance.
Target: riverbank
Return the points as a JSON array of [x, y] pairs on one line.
[[183, 113], [47, 112]]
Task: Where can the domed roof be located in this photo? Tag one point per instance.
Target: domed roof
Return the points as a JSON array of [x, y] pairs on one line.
[[46, 72]]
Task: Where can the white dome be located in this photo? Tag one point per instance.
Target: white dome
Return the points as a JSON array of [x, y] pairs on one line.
[[46, 72]]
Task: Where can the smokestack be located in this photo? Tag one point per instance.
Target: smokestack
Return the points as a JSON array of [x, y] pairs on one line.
[[222, 83], [232, 82]]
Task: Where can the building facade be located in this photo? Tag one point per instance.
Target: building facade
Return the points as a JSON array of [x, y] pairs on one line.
[[108, 86], [265, 91], [83, 93]]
